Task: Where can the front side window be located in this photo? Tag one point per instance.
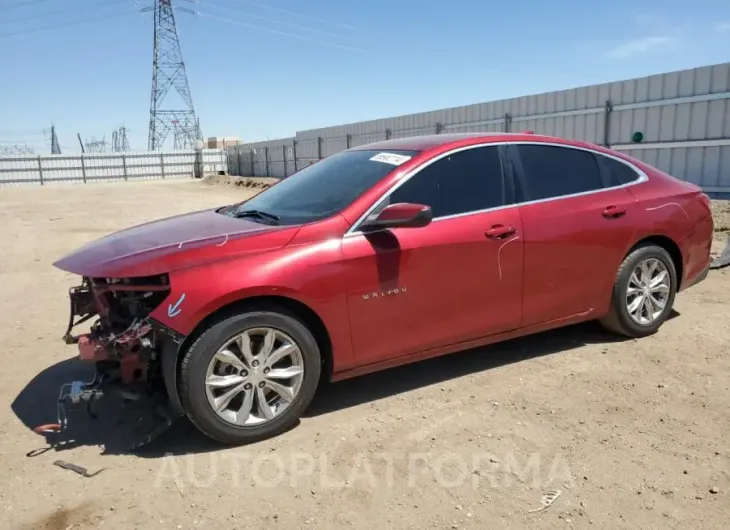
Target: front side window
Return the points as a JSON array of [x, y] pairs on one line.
[[551, 171], [463, 182], [322, 189]]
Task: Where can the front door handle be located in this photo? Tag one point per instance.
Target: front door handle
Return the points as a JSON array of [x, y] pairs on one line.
[[614, 212], [500, 232]]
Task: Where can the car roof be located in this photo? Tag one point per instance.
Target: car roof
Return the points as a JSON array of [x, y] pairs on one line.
[[429, 141]]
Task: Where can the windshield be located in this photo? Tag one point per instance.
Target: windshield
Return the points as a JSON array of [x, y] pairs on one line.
[[323, 189]]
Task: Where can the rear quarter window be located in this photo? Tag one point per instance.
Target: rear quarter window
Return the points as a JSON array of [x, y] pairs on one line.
[[616, 173]]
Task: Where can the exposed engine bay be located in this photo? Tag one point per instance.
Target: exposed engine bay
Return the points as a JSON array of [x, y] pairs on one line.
[[123, 343]]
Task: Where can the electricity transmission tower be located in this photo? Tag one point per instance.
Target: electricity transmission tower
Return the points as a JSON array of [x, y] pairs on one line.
[[182, 136], [119, 140], [55, 148], [53, 140], [168, 72], [95, 146], [14, 150]]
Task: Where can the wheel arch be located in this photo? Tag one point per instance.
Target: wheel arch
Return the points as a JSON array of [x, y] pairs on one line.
[[281, 304], [670, 246]]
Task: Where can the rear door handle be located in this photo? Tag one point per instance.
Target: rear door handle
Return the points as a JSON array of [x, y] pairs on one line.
[[500, 232], [614, 212]]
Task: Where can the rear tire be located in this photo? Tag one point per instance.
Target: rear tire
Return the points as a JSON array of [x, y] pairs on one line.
[[256, 379], [628, 315]]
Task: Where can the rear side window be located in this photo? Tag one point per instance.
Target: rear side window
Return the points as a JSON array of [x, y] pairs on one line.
[[551, 171], [463, 182], [617, 173]]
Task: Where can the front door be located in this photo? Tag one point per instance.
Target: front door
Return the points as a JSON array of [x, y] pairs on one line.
[[460, 278]]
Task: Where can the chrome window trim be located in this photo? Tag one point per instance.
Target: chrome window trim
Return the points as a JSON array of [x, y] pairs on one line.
[[641, 175], [641, 178]]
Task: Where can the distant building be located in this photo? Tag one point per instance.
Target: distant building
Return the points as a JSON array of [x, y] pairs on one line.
[[221, 142]]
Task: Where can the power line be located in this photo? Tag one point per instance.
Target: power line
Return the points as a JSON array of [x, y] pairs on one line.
[[60, 12], [62, 25], [23, 4], [277, 32], [301, 15], [21, 132], [267, 19]]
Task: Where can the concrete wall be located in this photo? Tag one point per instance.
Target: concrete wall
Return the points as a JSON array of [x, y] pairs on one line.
[[684, 116]]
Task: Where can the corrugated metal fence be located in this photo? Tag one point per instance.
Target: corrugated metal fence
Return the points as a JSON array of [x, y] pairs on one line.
[[684, 118], [53, 169]]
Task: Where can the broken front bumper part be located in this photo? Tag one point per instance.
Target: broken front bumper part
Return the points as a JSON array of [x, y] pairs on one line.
[[83, 306], [127, 361]]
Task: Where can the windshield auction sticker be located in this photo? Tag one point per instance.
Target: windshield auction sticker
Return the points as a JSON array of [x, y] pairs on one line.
[[390, 158]]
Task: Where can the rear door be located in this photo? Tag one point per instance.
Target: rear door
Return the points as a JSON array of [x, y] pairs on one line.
[[459, 278], [577, 227]]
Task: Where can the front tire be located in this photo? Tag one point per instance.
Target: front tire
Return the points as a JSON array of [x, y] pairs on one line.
[[249, 376], [643, 292]]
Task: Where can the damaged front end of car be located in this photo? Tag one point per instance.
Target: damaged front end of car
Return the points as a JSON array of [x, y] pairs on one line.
[[125, 345], [122, 341]]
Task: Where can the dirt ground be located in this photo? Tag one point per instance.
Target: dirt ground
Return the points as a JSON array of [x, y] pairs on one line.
[[634, 434]]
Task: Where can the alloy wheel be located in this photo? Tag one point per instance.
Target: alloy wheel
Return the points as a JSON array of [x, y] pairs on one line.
[[254, 377], [648, 291]]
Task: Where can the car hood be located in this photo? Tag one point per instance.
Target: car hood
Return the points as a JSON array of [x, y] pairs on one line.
[[173, 243]]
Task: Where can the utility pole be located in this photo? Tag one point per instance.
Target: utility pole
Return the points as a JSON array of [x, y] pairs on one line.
[[168, 72], [78, 135]]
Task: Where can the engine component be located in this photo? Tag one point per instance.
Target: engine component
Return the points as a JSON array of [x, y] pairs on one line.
[[132, 350], [73, 393], [91, 350]]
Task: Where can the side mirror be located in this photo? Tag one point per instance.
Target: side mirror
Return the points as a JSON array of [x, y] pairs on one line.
[[400, 215]]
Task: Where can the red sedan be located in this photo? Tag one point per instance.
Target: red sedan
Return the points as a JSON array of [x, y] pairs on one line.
[[382, 255]]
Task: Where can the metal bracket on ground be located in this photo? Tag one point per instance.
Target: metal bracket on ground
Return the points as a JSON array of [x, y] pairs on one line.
[[723, 260]]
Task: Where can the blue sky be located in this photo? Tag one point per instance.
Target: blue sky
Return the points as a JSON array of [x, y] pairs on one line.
[[251, 78]]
